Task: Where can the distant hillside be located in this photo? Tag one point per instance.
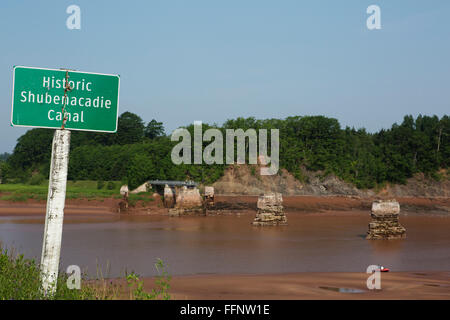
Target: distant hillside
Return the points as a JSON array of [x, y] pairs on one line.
[[310, 147], [245, 180]]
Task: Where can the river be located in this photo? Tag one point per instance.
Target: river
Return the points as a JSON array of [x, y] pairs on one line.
[[229, 244]]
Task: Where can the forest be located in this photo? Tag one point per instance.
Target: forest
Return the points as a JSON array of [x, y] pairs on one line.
[[140, 151]]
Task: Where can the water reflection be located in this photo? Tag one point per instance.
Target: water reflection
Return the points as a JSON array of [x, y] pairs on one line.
[[387, 246], [343, 290]]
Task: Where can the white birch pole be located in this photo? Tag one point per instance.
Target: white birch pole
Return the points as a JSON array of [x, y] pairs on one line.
[[54, 217]]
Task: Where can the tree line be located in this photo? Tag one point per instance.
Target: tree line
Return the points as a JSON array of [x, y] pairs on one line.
[[140, 151]]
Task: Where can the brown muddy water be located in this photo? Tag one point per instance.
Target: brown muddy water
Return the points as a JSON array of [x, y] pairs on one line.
[[229, 244]]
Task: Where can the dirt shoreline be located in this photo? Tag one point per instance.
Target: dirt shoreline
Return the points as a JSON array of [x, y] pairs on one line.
[[232, 205], [304, 286]]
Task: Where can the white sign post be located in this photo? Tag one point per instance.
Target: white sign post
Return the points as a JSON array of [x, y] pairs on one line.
[[54, 216]]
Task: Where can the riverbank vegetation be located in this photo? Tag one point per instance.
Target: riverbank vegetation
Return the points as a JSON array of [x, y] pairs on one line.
[[18, 192], [140, 152], [85, 189], [20, 280]]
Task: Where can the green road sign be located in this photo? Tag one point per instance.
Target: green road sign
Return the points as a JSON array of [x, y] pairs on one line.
[[38, 99]]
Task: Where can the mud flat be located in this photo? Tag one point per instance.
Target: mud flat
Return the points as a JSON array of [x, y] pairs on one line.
[[307, 285], [420, 285], [37, 209], [335, 205], [106, 206]]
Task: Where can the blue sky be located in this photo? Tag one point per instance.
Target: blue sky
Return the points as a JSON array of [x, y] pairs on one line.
[[181, 61]]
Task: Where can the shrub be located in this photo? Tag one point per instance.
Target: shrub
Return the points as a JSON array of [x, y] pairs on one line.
[[160, 292], [20, 280], [111, 185], [37, 179], [100, 184]]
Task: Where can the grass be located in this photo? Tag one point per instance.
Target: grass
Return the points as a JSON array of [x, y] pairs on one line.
[[89, 190], [75, 190], [161, 290], [143, 198], [20, 280]]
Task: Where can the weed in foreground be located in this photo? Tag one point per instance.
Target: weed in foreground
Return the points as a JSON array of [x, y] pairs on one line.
[[162, 282], [20, 280]]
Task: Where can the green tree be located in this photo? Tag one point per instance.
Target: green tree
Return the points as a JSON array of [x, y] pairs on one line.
[[4, 171], [316, 143], [4, 156], [140, 169], [154, 129], [130, 128], [33, 147]]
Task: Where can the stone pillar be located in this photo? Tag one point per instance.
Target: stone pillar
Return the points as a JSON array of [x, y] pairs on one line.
[[188, 201], [124, 190], [270, 210], [169, 197], [385, 221], [123, 204], [209, 197]]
